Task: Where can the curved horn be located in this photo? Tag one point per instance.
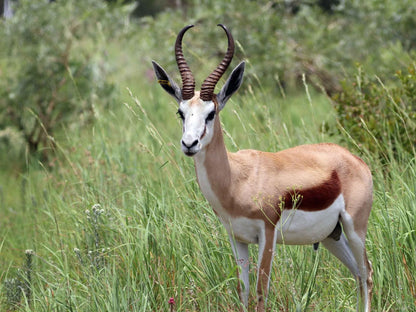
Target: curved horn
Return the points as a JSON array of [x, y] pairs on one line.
[[208, 86], [188, 80]]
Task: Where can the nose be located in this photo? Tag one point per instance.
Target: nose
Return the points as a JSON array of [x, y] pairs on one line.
[[189, 146]]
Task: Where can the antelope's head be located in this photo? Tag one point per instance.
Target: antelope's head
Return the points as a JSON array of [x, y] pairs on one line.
[[199, 109]]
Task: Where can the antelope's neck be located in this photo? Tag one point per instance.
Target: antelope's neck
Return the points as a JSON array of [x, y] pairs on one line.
[[213, 170]]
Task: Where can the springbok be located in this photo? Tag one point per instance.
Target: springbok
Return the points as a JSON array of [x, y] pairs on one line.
[[297, 196]]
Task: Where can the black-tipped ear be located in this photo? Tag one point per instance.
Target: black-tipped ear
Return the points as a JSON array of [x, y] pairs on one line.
[[166, 82], [232, 85]]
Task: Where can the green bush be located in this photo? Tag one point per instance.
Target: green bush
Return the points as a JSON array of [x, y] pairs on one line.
[[382, 120], [283, 41], [53, 70]]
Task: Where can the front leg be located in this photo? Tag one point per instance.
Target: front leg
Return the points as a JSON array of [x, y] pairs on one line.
[[267, 243], [240, 251]]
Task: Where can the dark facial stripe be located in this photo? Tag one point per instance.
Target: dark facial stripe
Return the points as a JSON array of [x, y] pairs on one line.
[[205, 131]]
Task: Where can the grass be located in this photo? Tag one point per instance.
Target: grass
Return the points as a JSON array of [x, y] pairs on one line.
[[119, 223]]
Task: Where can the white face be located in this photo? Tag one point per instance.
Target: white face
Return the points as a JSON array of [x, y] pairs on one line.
[[198, 124]]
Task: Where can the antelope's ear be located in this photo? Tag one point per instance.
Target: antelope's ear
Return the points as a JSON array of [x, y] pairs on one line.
[[231, 86], [166, 82]]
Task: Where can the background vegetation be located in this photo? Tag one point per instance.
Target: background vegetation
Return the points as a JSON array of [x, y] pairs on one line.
[[99, 209]]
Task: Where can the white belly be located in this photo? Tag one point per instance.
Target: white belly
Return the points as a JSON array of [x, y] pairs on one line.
[[295, 227], [298, 227]]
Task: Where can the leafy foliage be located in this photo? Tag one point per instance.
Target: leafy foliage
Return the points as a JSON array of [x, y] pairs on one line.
[[380, 119], [284, 40], [56, 68]]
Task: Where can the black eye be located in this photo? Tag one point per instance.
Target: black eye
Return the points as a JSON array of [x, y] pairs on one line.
[[180, 114], [210, 116]]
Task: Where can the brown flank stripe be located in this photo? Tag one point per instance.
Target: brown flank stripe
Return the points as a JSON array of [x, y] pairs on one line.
[[315, 198]]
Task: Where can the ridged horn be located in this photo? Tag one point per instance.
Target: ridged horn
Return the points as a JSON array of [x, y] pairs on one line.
[[188, 80], [208, 86]]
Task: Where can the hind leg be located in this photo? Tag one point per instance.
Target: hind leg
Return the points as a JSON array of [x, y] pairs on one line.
[[357, 247], [369, 280], [341, 250], [365, 281]]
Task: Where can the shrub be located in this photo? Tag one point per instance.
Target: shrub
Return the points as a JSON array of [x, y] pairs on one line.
[[380, 119], [54, 71], [284, 40]]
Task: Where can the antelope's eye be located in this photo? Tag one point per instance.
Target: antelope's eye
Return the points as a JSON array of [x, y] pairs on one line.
[[210, 116], [180, 114]]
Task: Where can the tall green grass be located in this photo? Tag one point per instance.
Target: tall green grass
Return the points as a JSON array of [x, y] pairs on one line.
[[120, 225]]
